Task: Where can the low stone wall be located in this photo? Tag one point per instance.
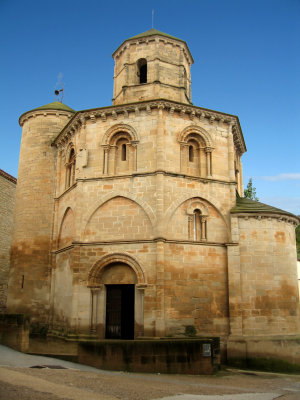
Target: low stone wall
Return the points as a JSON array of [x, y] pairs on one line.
[[191, 356], [275, 353], [14, 331]]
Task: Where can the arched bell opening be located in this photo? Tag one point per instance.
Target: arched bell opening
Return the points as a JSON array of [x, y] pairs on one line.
[[142, 70]]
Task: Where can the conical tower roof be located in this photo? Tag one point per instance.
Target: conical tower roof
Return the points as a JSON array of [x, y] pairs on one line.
[[152, 32], [56, 105], [245, 205]]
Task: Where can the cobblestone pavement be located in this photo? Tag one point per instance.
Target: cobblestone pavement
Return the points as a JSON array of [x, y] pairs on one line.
[[78, 382]]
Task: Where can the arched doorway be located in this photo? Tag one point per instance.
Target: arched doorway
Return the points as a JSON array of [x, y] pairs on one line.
[[117, 299], [119, 280], [119, 312]]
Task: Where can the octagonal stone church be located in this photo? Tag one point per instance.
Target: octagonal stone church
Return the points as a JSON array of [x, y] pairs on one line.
[[130, 220]]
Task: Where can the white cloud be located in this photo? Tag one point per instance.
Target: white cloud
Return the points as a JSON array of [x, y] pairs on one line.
[[282, 177]]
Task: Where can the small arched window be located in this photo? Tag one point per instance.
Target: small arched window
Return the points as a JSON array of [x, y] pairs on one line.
[[142, 70], [197, 225], [70, 177], [191, 153], [123, 152]]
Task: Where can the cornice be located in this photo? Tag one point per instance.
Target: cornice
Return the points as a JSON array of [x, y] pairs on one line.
[[138, 241], [35, 113], [202, 114], [157, 37], [288, 218]]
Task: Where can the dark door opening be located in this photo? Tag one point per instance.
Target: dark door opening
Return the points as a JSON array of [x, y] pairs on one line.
[[119, 312]]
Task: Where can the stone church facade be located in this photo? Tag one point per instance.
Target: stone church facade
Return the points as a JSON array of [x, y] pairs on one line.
[[130, 220]]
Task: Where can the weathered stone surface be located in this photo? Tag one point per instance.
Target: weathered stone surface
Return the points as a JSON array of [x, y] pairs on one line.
[[7, 200], [141, 194]]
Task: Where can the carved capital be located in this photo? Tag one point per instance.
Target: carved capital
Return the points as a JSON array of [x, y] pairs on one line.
[[134, 143], [141, 286]]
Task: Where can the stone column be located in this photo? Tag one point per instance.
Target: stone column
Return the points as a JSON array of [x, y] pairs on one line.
[[105, 159], [203, 228], [139, 309], [134, 158], [94, 292], [208, 152], [190, 227]]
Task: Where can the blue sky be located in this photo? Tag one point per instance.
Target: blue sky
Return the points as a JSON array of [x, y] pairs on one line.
[[247, 63]]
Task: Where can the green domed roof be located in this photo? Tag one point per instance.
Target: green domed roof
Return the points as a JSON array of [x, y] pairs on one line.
[[245, 205], [56, 105]]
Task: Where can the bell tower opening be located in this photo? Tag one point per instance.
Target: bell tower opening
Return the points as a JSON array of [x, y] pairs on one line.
[[142, 70]]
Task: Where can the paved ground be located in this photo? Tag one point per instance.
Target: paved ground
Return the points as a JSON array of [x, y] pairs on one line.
[[78, 382]]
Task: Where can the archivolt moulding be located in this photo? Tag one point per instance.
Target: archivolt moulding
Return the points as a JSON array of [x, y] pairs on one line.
[[194, 129], [196, 204], [134, 137], [95, 273]]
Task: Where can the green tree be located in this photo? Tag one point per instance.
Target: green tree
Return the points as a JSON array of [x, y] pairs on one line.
[[250, 191]]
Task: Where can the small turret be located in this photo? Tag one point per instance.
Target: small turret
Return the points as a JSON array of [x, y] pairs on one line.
[[33, 214]]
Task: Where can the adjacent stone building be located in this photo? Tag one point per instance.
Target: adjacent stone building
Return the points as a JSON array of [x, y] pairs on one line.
[[130, 220], [7, 200]]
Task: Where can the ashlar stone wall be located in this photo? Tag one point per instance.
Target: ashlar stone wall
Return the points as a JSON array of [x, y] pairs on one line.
[[266, 290], [7, 201], [146, 211]]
